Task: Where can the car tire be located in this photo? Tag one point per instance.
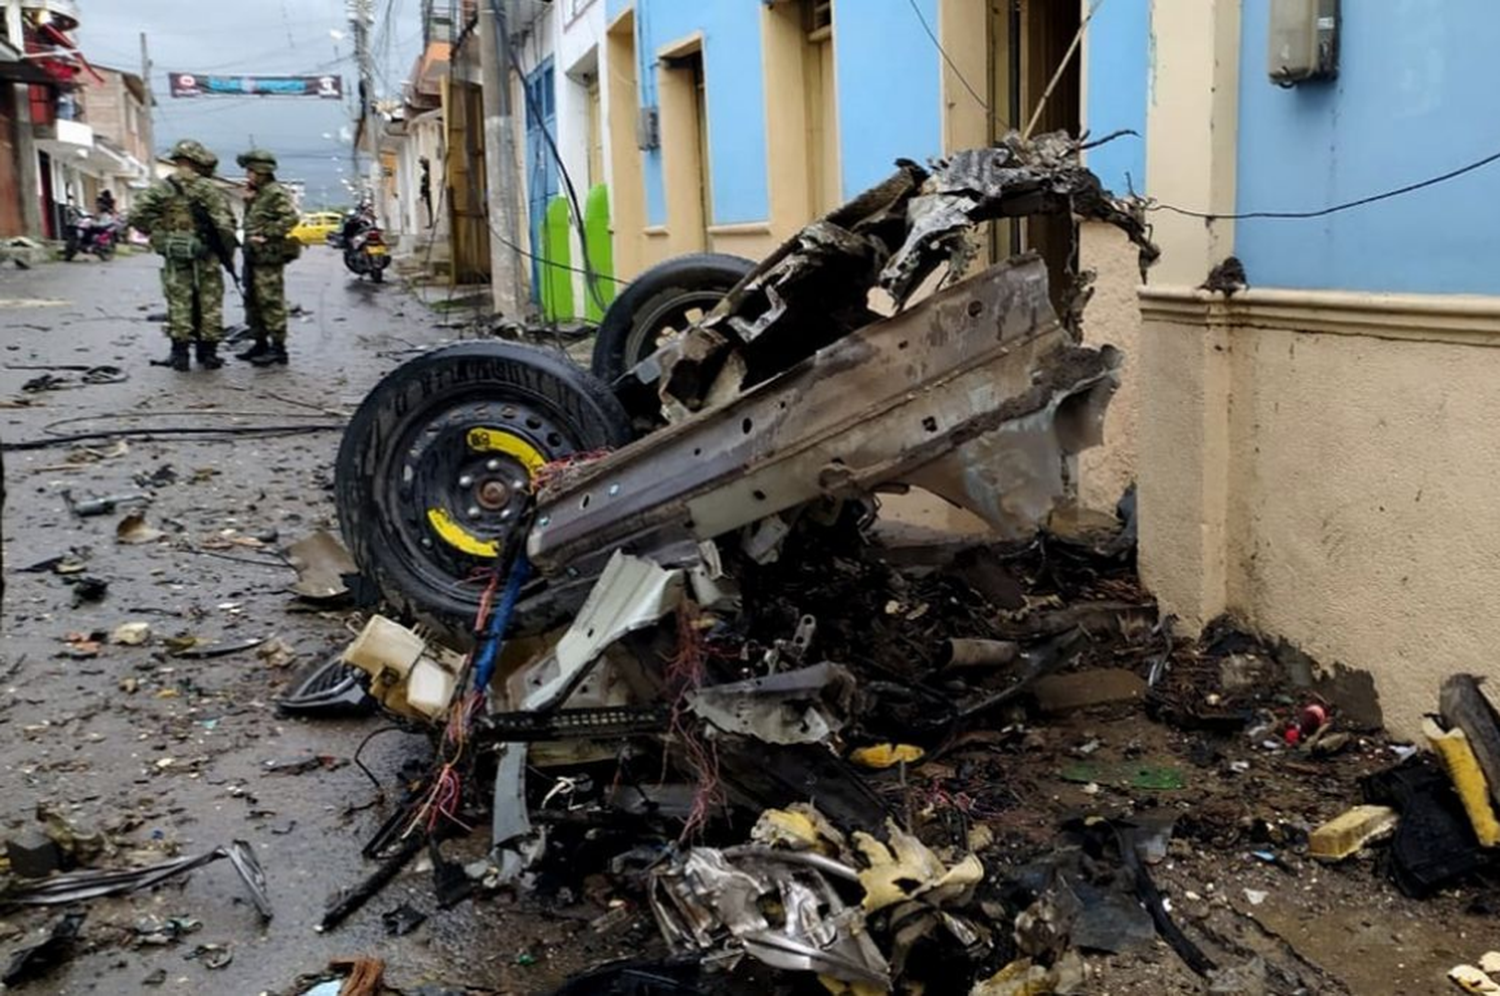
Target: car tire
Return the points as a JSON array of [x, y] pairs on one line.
[[407, 473], [661, 300]]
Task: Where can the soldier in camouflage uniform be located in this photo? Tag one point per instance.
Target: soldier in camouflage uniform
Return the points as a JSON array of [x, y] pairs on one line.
[[191, 227], [269, 220]]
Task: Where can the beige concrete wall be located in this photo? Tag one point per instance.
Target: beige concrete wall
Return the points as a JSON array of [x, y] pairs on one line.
[[1357, 471], [1113, 317]]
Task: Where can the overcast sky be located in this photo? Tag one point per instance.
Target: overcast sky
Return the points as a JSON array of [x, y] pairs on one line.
[[259, 38]]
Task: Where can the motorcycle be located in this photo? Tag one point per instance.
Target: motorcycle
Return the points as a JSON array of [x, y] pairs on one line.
[[365, 251], [88, 233]]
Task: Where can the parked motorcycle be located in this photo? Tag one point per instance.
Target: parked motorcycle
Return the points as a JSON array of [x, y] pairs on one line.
[[363, 243], [95, 234]]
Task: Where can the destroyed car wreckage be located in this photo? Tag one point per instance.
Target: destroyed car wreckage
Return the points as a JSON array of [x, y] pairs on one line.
[[608, 555]]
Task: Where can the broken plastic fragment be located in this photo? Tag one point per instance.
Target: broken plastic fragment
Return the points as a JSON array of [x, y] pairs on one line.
[[131, 634], [1457, 756], [881, 756], [133, 530]]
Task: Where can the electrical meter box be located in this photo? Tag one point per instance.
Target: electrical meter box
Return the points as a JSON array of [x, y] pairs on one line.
[[1304, 41]]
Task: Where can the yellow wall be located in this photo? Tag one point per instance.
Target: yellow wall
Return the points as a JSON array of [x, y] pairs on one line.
[[627, 188]]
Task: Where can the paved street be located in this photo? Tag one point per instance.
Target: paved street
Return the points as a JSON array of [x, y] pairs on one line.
[[165, 755]]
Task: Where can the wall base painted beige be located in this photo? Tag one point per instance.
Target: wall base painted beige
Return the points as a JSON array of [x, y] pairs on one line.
[[1112, 318], [1325, 466]]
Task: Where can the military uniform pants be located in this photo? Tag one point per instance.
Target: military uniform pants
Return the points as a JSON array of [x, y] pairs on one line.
[[195, 300], [265, 301]]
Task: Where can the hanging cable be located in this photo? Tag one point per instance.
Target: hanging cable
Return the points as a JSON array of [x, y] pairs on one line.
[[948, 59], [590, 278], [1333, 209]]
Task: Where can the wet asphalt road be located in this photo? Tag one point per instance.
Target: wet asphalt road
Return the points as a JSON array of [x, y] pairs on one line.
[[165, 754]]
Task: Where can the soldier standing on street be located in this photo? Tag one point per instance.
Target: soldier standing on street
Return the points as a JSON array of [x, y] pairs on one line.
[[191, 227], [269, 220], [211, 278]]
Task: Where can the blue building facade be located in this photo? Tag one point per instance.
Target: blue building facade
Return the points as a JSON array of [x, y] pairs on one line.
[[1405, 106], [885, 92]]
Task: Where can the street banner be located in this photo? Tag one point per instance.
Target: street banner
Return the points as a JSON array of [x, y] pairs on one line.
[[200, 85]]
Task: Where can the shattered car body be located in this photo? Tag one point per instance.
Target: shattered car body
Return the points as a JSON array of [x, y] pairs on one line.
[[792, 405]]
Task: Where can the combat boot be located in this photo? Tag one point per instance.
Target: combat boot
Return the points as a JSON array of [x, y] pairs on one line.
[[261, 347], [275, 355], [208, 355], [179, 359]]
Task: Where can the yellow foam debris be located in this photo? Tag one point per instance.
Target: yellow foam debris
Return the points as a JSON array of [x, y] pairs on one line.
[[886, 755], [1472, 980], [1019, 978], [1490, 962], [1348, 832], [908, 868], [841, 988], [1453, 750], [782, 826]]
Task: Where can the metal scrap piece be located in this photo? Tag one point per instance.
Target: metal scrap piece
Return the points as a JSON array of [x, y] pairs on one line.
[[804, 706], [976, 392], [77, 886], [704, 898], [631, 594]]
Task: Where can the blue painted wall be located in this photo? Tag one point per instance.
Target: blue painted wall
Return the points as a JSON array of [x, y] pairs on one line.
[[1413, 99], [889, 88], [1119, 68], [736, 100]]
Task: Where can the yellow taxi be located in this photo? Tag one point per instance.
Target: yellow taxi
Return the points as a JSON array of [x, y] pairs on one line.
[[313, 229]]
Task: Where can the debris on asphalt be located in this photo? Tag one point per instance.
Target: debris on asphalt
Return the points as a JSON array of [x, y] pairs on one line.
[[86, 507], [86, 588], [1351, 831], [38, 959], [133, 530], [402, 920], [78, 886], [32, 854], [130, 634], [333, 688], [322, 565], [211, 956]]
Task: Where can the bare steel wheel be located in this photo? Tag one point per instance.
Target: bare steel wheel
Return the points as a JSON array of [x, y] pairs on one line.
[[437, 465]]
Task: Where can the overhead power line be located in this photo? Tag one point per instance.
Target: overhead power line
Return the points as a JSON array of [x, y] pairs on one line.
[[1334, 208]]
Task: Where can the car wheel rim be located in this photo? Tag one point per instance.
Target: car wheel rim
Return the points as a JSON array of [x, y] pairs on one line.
[[461, 482]]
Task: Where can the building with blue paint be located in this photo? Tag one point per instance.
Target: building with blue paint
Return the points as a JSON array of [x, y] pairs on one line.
[[732, 124], [1312, 452]]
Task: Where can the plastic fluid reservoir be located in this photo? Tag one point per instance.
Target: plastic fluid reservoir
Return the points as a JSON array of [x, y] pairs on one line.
[[430, 687], [384, 645]]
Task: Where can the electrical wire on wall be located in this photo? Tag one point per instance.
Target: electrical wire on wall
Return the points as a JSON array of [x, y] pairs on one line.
[[1281, 215], [590, 275]]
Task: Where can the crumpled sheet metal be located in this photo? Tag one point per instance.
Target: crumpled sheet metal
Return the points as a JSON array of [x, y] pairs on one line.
[[631, 594], [1010, 179], [78, 886], [903, 400], [704, 898], [804, 706]]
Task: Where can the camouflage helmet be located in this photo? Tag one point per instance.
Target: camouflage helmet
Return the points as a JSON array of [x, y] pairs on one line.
[[194, 152], [257, 159]]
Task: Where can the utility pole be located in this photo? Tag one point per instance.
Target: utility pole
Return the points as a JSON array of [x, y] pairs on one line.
[[28, 176], [150, 123], [361, 16], [507, 269]]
